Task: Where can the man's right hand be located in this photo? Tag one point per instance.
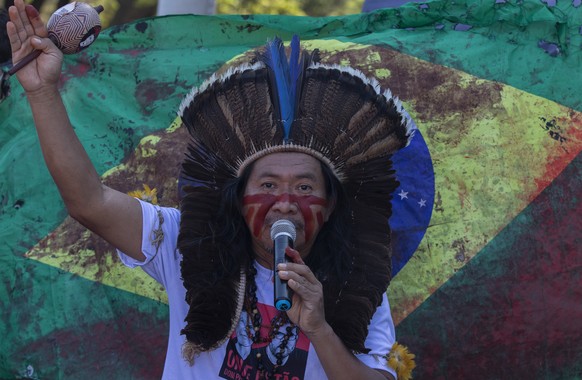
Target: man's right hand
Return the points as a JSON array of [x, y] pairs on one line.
[[27, 33]]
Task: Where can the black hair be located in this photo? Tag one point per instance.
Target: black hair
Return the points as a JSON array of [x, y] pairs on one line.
[[329, 257], [216, 244]]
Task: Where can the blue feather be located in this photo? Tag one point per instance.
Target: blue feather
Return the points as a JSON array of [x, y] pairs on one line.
[[294, 69], [285, 74]]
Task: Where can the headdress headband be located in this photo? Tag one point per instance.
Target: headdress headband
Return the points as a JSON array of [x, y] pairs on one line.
[[279, 104]]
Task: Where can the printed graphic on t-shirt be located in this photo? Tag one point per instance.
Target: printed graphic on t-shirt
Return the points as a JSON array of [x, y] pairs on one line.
[[282, 356]]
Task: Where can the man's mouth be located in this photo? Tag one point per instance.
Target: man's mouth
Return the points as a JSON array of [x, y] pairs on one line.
[[297, 223]]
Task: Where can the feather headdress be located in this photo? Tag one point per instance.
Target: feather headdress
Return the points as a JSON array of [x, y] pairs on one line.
[[278, 104]]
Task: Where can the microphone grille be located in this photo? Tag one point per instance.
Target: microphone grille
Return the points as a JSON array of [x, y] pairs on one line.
[[283, 227]]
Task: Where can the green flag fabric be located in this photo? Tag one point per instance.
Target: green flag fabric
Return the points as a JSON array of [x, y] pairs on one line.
[[487, 220]]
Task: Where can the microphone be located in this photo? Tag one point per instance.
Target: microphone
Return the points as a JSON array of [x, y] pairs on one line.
[[283, 235]]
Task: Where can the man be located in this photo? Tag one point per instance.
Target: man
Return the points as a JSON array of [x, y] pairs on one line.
[[312, 148]]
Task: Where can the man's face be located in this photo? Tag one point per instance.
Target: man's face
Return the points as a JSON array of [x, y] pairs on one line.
[[290, 186]]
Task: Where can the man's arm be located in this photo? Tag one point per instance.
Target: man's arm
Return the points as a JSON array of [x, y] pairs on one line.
[[307, 312], [113, 215]]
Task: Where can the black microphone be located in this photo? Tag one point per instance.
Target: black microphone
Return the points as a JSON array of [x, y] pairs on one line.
[[283, 235]]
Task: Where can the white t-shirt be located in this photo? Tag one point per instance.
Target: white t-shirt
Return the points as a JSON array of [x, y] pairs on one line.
[[236, 358]]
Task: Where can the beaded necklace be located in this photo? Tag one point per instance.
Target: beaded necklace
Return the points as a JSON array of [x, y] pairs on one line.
[[254, 331]]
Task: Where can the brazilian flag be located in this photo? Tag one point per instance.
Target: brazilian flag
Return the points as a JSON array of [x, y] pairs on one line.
[[487, 220]]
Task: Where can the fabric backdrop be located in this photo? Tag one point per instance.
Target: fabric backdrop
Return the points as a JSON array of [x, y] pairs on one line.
[[487, 224]]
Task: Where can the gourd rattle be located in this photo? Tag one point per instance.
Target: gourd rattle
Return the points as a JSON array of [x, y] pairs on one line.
[[71, 28]]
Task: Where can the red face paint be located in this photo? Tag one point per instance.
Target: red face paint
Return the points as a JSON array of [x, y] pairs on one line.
[[258, 205]]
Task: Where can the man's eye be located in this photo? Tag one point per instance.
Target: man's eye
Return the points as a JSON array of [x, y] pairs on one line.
[[305, 187], [268, 185]]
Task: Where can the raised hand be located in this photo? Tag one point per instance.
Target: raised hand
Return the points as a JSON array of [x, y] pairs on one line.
[[27, 33]]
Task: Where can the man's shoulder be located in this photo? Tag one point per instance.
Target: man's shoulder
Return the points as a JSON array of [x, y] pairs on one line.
[[163, 214]]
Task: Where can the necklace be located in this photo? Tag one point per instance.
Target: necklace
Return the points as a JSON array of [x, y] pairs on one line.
[[253, 328]]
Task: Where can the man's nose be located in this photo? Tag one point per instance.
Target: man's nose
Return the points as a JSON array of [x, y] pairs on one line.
[[285, 204]]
